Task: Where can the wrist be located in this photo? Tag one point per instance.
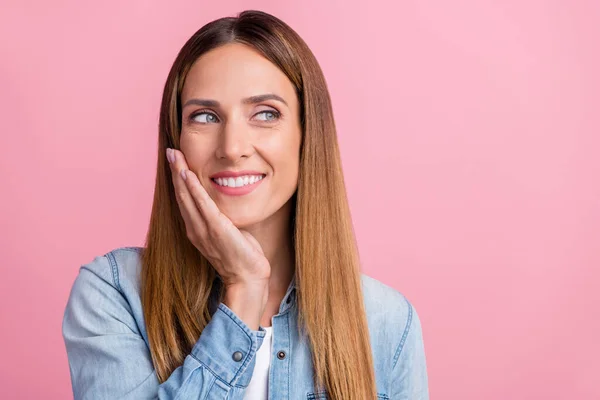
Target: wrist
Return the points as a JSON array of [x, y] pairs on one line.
[[247, 301]]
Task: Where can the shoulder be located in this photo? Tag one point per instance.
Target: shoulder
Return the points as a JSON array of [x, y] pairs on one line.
[[384, 302], [120, 268], [391, 316], [108, 286]]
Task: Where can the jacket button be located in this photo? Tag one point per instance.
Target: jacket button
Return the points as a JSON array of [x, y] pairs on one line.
[[237, 356], [281, 355]]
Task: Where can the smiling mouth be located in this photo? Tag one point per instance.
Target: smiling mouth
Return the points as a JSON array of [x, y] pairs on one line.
[[239, 181]]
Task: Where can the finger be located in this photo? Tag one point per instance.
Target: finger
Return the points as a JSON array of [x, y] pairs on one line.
[[219, 227], [187, 206], [208, 208]]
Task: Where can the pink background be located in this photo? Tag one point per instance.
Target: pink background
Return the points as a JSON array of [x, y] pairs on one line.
[[470, 138]]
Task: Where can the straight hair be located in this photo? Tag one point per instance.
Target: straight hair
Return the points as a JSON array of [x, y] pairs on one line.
[[177, 280]]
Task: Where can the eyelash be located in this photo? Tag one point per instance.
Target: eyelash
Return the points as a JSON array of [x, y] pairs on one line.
[[274, 112]]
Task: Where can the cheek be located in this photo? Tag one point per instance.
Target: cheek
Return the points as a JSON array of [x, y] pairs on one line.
[[291, 162], [283, 155], [197, 151], [286, 173], [283, 150], [197, 156]]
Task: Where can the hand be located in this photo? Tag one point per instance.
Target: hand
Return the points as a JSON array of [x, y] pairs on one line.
[[235, 254]]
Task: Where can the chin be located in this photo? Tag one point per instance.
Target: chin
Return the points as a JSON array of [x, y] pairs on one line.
[[241, 220]]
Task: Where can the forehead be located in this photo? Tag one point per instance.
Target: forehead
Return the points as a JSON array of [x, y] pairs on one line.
[[234, 71]]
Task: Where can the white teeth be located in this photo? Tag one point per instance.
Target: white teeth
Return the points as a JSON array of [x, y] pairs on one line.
[[239, 181]]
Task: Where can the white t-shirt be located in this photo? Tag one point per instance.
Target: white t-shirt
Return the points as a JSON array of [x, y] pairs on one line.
[[259, 383]]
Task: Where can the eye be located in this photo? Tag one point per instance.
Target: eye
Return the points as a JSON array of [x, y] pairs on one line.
[[210, 117], [271, 115]]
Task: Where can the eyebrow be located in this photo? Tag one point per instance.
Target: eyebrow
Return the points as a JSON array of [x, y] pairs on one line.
[[249, 100]]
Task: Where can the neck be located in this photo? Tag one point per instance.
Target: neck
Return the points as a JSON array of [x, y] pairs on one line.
[[275, 238]]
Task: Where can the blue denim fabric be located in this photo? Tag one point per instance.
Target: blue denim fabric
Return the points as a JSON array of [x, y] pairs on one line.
[[109, 357]]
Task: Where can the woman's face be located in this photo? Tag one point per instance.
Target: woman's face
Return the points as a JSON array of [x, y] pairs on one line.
[[241, 132]]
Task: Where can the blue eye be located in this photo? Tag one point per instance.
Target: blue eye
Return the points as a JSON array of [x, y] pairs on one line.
[[270, 115], [273, 113], [208, 115]]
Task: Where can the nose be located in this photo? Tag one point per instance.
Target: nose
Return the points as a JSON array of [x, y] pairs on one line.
[[234, 142]]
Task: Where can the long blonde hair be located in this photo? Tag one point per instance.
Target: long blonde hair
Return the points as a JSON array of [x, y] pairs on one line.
[[177, 280]]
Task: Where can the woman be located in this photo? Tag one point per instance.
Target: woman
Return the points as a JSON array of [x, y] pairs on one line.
[[249, 285]]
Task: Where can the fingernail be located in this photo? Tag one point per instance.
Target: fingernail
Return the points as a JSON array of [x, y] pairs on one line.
[[183, 175], [170, 156]]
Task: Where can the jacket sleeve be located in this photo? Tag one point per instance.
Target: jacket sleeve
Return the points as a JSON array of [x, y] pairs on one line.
[[409, 372], [109, 359]]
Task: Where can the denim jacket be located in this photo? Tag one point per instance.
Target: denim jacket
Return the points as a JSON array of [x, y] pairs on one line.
[[109, 355]]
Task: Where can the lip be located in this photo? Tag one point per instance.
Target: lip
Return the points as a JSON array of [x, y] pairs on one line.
[[235, 174], [236, 191]]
